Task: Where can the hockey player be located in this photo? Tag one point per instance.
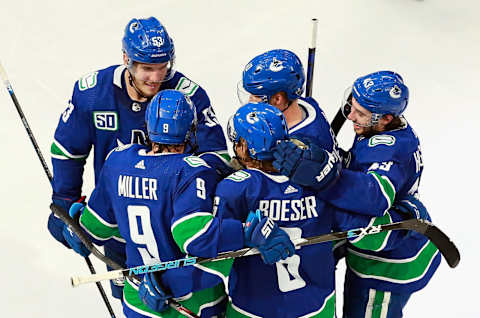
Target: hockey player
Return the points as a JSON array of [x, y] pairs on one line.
[[107, 109], [383, 166], [303, 284], [277, 77], [159, 201]]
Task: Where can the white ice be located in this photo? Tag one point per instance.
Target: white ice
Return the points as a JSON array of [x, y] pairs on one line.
[[46, 45]]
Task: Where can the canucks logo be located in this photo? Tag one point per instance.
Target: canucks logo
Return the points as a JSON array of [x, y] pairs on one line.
[[368, 82], [252, 118], [276, 65], [395, 92]]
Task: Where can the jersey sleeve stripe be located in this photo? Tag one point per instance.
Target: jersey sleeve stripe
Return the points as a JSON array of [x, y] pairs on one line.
[[374, 242], [189, 228], [59, 152], [386, 186], [97, 227], [402, 271], [185, 218]]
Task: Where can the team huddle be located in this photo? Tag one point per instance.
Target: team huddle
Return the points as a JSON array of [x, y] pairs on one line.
[[166, 187]]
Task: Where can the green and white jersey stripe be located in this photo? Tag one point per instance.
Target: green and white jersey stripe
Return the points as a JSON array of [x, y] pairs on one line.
[[97, 227], [400, 271], [386, 186], [327, 310], [57, 151], [378, 302], [196, 302], [186, 229], [374, 242]]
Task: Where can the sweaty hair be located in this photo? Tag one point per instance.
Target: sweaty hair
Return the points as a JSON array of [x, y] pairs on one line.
[[249, 162], [394, 124], [159, 148]]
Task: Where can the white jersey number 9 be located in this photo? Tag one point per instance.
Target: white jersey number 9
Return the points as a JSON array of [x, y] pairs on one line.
[[139, 222]]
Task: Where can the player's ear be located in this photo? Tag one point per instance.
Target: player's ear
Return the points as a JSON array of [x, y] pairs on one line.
[[279, 100], [125, 58], [385, 120]]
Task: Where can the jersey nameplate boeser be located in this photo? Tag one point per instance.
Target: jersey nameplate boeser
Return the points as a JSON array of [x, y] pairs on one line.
[[289, 210]]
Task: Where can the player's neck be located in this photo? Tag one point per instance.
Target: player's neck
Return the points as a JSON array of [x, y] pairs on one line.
[[293, 114]]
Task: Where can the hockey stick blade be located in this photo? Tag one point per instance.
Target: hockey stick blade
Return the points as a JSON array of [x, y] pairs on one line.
[[446, 247]]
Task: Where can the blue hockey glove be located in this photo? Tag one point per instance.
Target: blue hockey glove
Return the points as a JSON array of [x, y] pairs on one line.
[[71, 238], [273, 243], [412, 207], [251, 223], [312, 166], [55, 225], [151, 293]]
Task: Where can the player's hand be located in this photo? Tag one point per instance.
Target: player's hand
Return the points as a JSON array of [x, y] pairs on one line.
[[55, 225], [251, 223], [151, 293], [71, 238], [412, 208], [308, 165], [273, 243]]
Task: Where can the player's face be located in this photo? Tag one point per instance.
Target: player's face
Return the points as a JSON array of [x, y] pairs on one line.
[[149, 77], [360, 117]]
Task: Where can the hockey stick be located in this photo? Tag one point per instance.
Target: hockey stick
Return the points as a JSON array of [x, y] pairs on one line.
[[65, 217], [311, 58], [338, 122], [9, 87], [446, 247]]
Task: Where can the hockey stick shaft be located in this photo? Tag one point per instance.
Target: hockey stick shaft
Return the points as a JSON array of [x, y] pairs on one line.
[[338, 122], [443, 243], [65, 217], [5, 80], [311, 58], [3, 75]]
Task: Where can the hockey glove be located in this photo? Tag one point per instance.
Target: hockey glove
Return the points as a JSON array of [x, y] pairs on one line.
[[312, 166], [251, 223], [273, 243], [71, 238], [151, 293], [412, 208], [55, 225]]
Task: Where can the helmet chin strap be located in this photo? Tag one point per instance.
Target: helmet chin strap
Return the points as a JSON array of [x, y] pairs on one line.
[[288, 106], [132, 83]]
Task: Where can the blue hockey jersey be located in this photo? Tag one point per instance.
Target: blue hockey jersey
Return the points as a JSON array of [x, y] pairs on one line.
[[376, 171], [379, 170], [314, 126], [303, 284], [101, 114], [161, 207]]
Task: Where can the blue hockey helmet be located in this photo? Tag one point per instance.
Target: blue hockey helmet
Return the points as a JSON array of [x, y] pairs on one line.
[[381, 93], [171, 118], [147, 41], [272, 72], [261, 125]]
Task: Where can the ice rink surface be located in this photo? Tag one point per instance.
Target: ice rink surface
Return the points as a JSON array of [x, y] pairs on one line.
[[46, 45]]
